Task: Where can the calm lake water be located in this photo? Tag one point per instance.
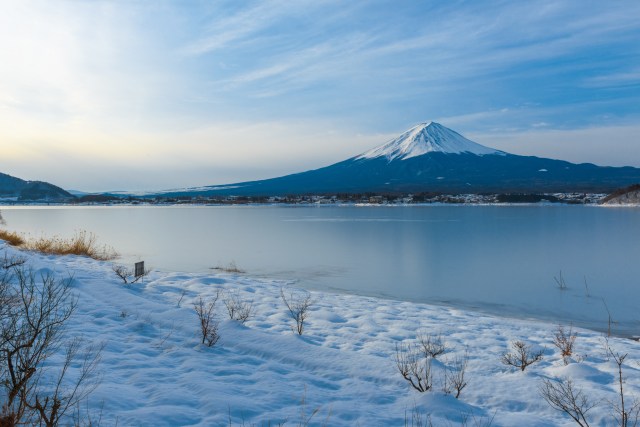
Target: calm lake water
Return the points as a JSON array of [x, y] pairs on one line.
[[501, 259]]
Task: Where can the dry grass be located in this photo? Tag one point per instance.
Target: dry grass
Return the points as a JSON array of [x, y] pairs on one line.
[[11, 237], [82, 243], [230, 268]]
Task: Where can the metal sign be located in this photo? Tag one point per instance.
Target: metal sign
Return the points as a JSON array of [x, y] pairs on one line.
[[139, 269]]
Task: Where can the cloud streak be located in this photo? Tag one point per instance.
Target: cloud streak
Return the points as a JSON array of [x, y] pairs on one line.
[[209, 84]]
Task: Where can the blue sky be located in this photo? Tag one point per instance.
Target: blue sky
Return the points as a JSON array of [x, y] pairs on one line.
[[103, 95]]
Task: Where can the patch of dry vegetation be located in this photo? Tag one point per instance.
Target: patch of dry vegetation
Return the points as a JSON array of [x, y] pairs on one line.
[[82, 243], [230, 268], [11, 237]]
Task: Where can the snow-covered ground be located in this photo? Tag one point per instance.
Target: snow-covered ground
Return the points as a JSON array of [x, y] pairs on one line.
[[340, 372]]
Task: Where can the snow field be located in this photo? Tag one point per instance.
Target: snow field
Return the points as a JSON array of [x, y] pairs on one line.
[[340, 372]]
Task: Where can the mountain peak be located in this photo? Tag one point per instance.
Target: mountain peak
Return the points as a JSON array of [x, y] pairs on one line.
[[427, 137]]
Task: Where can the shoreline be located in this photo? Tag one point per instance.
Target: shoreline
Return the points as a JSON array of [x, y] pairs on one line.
[[332, 200], [319, 205]]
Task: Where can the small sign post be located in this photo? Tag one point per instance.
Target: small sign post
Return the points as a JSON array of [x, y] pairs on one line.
[[139, 269]]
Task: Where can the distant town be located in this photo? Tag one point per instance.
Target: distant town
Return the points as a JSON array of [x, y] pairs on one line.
[[364, 198]]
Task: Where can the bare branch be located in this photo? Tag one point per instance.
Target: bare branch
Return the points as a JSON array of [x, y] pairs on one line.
[[564, 397], [564, 340], [127, 275], [10, 262], [413, 367], [53, 405], [626, 415], [33, 311], [431, 345], [205, 309], [238, 309], [522, 356], [455, 375], [298, 305], [562, 285]]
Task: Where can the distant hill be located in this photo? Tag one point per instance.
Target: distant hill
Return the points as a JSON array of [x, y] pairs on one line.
[[625, 196], [432, 158], [17, 189]]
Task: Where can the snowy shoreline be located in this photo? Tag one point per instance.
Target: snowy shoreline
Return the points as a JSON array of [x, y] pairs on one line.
[[155, 371]]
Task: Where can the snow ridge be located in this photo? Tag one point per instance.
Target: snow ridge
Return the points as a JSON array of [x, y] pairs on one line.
[[426, 138]]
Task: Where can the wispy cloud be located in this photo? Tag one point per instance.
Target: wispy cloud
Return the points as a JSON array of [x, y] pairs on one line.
[[631, 78], [435, 52], [239, 25], [234, 24], [148, 77]]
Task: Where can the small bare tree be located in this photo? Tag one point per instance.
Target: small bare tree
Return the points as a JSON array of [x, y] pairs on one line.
[[33, 311], [127, 274], [298, 305], [413, 367], [522, 355], [31, 327], [626, 413], [564, 339], [53, 404], [431, 345], [564, 397], [237, 308], [205, 309], [455, 375]]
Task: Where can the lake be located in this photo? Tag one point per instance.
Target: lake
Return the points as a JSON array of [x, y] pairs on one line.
[[499, 259]]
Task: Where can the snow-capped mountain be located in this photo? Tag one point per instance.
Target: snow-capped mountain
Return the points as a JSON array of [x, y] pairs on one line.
[[432, 158], [427, 138]]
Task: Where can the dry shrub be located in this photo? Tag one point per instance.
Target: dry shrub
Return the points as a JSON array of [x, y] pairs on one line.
[[11, 237], [82, 243], [431, 345], [455, 376], [565, 397], [238, 309], [564, 340], [205, 309], [232, 267], [298, 304], [414, 367], [522, 355]]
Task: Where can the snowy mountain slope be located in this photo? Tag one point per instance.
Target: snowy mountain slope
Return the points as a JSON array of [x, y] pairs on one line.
[[427, 138]]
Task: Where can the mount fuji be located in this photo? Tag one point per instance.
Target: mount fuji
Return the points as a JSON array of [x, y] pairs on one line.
[[430, 157]]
